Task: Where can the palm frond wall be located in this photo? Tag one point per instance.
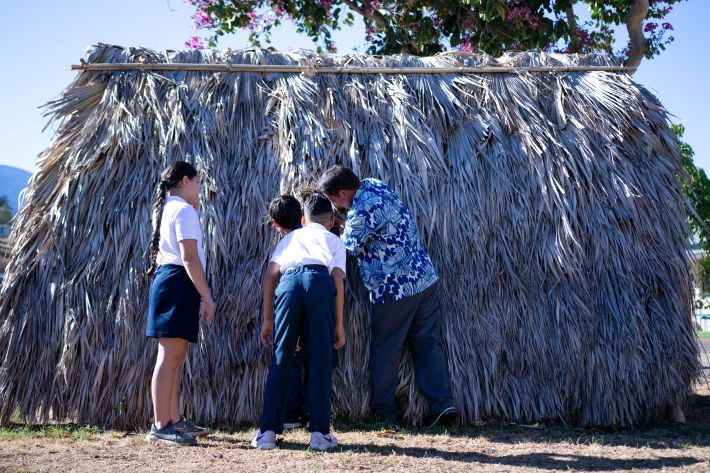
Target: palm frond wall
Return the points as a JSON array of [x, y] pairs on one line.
[[550, 204]]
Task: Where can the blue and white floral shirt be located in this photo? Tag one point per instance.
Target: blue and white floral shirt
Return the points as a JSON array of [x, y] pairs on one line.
[[380, 232]]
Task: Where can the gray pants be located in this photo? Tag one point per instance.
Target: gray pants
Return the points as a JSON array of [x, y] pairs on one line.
[[416, 320]]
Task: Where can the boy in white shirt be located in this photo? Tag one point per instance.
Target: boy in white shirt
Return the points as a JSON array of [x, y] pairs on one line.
[[286, 215], [309, 304]]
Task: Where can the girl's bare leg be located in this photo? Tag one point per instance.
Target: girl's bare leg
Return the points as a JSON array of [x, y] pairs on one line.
[[171, 354], [175, 398]]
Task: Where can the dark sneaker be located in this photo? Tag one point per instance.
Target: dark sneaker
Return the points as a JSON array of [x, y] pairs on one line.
[[449, 417], [389, 422], [170, 435], [190, 429]]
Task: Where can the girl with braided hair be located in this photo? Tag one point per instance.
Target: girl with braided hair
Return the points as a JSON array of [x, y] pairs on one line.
[[179, 296]]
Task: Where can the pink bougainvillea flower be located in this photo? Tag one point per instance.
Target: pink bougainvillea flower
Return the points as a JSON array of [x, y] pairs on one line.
[[195, 42]]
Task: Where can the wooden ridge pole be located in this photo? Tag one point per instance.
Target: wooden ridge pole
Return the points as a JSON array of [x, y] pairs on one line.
[[297, 69]]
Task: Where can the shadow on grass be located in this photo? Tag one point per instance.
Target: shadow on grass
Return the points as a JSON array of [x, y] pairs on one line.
[[544, 460], [549, 460], [668, 435]]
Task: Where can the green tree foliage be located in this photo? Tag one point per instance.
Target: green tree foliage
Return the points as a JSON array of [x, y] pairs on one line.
[[703, 265], [5, 210], [697, 189], [426, 27]]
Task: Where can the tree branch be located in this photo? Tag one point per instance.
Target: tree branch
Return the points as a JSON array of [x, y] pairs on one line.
[[634, 25], [410, 46], [573, 28], [370, 13]]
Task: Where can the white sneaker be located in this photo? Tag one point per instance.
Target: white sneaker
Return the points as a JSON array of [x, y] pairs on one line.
[[264, 441], [322, 442]]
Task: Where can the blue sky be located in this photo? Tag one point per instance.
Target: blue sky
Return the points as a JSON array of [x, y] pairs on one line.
[[46, 37]]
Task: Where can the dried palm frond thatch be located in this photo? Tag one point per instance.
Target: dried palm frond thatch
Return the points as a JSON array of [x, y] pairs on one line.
[[550, 204]]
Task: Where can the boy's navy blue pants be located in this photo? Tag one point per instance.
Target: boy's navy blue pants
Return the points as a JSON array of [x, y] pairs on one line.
[[304, 307], [416, 320], [297, 408]]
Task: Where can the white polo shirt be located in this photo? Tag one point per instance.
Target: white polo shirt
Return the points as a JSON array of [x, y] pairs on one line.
[[313, 244], [180, 222]]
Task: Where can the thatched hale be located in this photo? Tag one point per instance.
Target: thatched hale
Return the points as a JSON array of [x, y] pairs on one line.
[[549, 202]]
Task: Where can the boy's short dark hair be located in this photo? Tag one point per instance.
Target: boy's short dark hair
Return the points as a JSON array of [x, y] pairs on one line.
[[338, 178], [286, 211], [316, 205]]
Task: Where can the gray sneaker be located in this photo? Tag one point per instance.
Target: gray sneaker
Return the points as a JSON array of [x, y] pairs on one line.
[[170, 435], [264, 440], [322, 442], [189, 428]]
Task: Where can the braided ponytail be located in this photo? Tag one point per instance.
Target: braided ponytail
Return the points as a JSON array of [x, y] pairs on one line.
[[169, 178], [158, 205]]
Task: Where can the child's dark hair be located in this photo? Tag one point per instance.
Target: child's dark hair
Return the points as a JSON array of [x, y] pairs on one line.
[[169, 178], [338, 178], [316, 205], [286, 211]]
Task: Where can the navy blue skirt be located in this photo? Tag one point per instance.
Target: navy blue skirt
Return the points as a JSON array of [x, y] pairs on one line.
[[173, 305]]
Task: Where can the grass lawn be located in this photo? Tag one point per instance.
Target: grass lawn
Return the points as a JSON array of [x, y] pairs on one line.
[[52, 431], [703, 335], [490, 446]]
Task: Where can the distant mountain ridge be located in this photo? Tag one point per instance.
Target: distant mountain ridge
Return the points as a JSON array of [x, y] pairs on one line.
[[12, 181]]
